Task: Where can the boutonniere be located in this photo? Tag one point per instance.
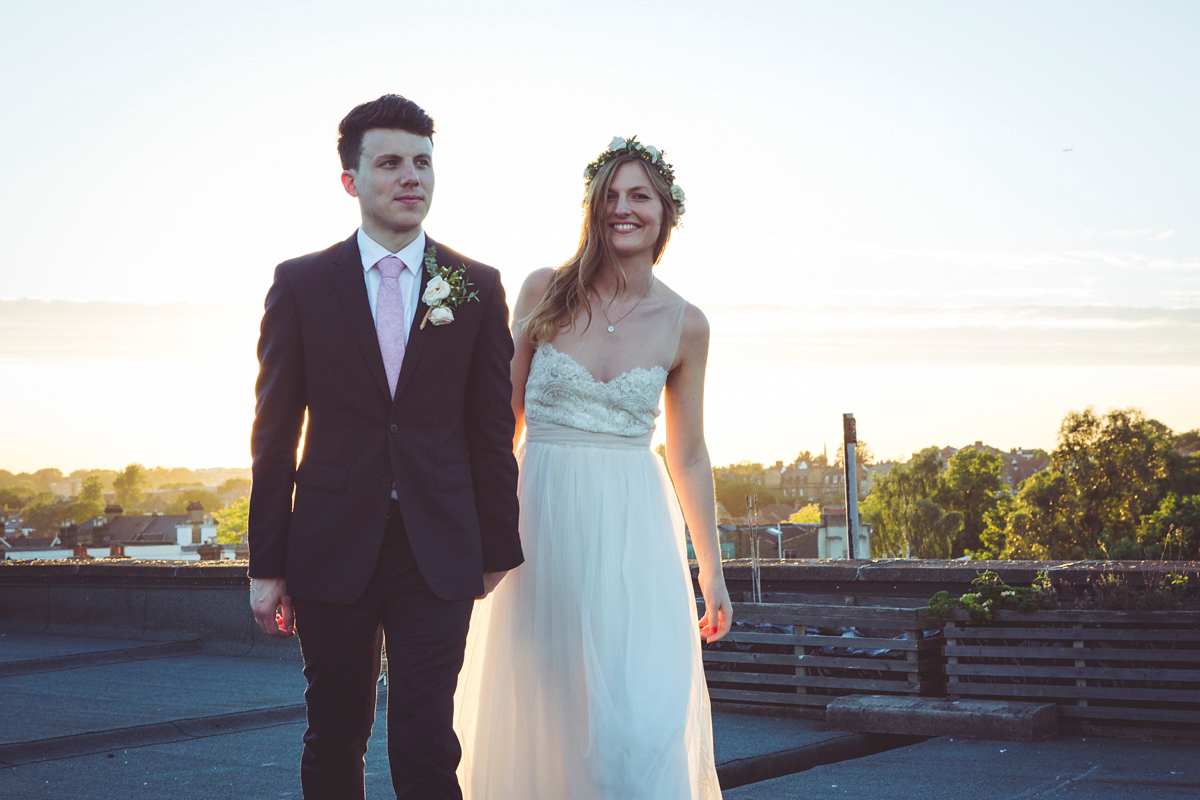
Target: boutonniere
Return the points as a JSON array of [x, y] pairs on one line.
[[448, 288]]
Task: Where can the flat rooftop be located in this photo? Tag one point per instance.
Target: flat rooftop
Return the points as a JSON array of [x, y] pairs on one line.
[[150, 683]]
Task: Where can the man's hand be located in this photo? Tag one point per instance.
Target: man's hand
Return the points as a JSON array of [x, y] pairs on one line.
[[490, 581], [272, 607]]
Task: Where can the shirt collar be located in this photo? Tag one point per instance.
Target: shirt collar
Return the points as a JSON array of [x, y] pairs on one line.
[[371, 251]]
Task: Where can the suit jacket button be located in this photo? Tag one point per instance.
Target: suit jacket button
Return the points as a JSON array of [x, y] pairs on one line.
[[394, 427], [385, 481]]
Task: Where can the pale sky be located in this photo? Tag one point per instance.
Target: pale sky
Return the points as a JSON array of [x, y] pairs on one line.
[[957, 220]]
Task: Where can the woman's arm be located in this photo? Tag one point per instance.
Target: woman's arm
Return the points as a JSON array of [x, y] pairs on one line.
[[531, 294], [691, 470]]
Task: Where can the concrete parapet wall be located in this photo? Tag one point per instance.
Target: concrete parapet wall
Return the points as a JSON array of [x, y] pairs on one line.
[[909, 583], [162, 601], [150, 601]]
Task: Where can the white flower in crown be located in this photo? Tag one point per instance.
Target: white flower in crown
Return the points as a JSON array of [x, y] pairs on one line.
[[677, 194], [441, 315], [649, 154], [437, 290]]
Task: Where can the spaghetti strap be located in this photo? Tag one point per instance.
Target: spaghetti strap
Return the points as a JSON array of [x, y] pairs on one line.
[[678, 333]]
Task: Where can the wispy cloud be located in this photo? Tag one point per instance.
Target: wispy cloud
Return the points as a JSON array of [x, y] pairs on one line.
[[963, 335], [125, 334], [1129, 234]]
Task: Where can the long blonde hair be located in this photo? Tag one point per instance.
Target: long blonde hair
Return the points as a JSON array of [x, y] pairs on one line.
[[566, 298]]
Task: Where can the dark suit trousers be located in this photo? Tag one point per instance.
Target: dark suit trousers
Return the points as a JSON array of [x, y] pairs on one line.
[[426, 637]]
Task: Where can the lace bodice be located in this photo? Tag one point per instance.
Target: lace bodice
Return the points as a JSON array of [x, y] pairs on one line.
[[562, 391]]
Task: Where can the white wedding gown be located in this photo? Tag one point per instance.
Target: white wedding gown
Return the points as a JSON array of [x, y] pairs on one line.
[[583, 677]]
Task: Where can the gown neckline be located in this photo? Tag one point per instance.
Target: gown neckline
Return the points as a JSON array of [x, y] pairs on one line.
[[593, 378]]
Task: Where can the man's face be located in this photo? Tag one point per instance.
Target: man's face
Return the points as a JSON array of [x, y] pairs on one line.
[[393, 183]]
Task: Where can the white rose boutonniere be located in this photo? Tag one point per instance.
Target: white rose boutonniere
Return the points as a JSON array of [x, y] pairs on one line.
[[440, 315], [437, 290], [447, 289]]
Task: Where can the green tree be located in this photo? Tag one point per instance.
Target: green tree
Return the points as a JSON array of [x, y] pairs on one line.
[[809, 515], [242, 485], [233, 521], [46, 516], [971, 486], [10, 500], [130, 486], [43, 478], [1188, 441], [905, 516], [1041, 523], [1109, 478], [92, 491], [1120, 467], [1172, 531]]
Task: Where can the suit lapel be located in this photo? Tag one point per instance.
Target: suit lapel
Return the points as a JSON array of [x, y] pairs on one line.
[[416, 336], [351, 288]]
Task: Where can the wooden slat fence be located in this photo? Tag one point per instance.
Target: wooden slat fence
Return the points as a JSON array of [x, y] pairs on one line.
[[798, 655], [1116, 671]]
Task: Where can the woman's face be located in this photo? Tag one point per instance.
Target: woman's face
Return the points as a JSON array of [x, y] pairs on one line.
[[633, 213]]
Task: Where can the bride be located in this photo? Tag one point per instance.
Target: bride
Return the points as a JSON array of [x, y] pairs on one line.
[[583, 677]]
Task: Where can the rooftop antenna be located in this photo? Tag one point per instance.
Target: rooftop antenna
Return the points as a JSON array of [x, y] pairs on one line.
[[755, 564]]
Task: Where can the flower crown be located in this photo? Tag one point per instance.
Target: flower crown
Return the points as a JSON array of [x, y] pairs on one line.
[[647, 153]]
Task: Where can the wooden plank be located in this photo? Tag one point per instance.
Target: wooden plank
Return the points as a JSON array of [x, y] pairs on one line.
[[970, 689], [1068, 616], [1068, 654], [772, 698], [909, 686], [1079, 673], [789, 660], [1136, 714], [1121, 636], [814, 640], [881, 616]]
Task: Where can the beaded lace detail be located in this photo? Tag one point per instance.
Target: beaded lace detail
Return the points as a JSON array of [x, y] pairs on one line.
[[562, 391]]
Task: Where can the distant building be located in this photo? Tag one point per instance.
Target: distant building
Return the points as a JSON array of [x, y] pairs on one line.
[[772, 476], [805, 483], [786, 540], [1020, 464], [172, 537]]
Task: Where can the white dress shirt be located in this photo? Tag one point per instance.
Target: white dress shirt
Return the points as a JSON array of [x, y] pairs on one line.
[[413, 257]]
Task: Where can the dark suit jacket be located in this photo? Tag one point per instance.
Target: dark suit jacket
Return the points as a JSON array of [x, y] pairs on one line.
[[445, 441]]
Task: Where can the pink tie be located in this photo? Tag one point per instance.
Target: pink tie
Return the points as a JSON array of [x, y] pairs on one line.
[[389, 318]]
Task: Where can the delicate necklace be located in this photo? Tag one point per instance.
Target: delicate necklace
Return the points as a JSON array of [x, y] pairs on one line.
[[612, 326]]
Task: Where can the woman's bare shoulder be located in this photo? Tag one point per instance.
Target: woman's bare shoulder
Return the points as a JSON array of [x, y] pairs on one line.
[[534, 289], [538, 281], [695, 324]]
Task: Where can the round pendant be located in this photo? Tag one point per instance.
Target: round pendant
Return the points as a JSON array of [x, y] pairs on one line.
[[611, 329]]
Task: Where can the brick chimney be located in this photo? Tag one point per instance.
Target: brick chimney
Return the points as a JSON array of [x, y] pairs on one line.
[[111, 512], [195, 513]]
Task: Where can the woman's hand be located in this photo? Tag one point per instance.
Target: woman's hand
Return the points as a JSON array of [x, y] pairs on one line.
[[718, 610]]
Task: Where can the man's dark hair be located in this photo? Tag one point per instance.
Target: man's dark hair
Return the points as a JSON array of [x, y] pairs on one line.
[[390, 111]]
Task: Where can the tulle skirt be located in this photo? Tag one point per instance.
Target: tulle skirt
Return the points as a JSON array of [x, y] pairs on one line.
[[583, 678]]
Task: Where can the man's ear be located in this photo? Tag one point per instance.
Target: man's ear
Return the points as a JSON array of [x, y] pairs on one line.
[[348, 183]]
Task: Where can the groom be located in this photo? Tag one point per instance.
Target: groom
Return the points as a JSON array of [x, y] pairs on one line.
[[403, 508]]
